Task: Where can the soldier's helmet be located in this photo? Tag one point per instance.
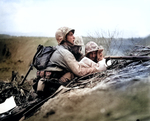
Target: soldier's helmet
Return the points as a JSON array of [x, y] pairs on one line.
[[92, 46], [61, 33], [78, 41]]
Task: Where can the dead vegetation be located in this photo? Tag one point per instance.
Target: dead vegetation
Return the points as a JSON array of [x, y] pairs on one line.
[[16, 53]]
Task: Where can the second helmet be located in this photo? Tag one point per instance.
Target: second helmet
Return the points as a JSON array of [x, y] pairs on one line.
[[92, 46], [78, 41]]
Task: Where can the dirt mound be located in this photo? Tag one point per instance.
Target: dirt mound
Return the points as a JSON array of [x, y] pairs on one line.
[[95, 105]]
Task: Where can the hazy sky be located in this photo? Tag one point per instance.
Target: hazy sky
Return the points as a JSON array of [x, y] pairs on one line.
[[131, 18]]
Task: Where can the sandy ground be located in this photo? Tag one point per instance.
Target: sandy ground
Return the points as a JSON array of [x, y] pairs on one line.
[[128, 104]]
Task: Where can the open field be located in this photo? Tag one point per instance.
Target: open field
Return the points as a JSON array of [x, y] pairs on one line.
[[16, 54]]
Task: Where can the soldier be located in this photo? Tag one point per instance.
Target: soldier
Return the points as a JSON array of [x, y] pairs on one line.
[[63, 56], [93, 51], [76, 49], [64, 60], [94, 57]]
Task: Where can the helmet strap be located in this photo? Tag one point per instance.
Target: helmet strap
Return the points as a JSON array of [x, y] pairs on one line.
[[69, 43]]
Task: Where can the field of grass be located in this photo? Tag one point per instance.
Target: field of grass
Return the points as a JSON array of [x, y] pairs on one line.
[[16, 54]]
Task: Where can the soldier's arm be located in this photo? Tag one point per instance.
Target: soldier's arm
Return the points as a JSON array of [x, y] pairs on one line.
[[76, 67]]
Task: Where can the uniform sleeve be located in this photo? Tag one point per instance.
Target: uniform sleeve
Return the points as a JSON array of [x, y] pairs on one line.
[[88, 62], [77, 67], [100, 66]]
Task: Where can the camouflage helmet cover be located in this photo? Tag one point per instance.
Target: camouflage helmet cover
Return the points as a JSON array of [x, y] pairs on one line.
[[78, 41], [92, 46], [61, 33]]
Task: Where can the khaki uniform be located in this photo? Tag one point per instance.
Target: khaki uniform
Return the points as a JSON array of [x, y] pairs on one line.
[[64, 58], [100, 66]]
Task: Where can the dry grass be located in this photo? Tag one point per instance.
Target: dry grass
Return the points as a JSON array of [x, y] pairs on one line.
[[22, 50]]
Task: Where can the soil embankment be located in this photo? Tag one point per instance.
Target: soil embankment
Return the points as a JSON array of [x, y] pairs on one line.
[[130, 104]]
